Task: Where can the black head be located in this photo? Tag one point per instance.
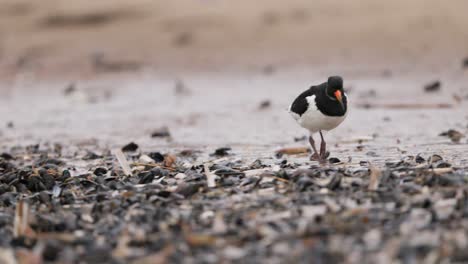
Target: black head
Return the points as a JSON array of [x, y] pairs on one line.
[[335, 89], [334, 83]]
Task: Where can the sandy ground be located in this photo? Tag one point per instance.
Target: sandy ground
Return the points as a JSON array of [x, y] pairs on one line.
[[204, 116], [125, 60]]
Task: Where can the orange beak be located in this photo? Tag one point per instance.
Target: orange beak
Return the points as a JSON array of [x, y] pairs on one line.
[[338, 96]]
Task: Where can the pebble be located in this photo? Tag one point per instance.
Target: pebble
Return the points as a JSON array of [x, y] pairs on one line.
[[261, 209]]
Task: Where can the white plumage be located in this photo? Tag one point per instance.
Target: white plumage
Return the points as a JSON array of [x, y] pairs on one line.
[[313, 120]]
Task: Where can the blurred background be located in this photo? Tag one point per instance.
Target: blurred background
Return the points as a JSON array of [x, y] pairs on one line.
[[66, 37], [217, 71]]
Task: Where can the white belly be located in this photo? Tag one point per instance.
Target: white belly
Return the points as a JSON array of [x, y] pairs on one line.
[[314, 121]]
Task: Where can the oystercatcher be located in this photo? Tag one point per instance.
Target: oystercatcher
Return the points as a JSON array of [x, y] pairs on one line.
[[321, 107]]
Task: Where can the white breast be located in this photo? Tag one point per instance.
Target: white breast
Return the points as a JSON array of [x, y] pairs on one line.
[[314, 120]]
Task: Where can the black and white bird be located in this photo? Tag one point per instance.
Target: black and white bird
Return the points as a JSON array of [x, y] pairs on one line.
[[321, 108]]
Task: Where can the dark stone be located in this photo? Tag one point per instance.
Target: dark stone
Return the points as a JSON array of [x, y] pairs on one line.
[[6, 166], [45, 161], [20, 187], [156, 156], [23, 241], [67, 197], [98, 255], [443, 164], [71, 88], [52, 250], [264, 104], [6, 156], [48, 181], [147, 177], [4, 188], [221, 151], [91, 156], [297, 139], [188, 189], [130, 147], [335, 181], [9, 177], [419, 159], [8, 199], [303, 183], [162, 132], [44, 197], [164, 194], [35, 184], [465, 63], [432, 87], [100, 171]]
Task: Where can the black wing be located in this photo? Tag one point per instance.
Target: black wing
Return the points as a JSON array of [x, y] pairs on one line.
[[300, 104]]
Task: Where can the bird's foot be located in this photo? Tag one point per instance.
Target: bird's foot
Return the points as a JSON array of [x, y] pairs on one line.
[[315, 157], [322, 159], [325, 155]]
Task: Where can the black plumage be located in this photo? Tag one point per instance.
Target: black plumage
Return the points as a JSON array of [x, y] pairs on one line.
[[326, 104]]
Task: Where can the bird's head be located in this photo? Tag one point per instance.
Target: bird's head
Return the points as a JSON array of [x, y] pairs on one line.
[[335, 89]]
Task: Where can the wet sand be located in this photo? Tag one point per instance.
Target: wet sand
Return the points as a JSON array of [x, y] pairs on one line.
[[223, 110]]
